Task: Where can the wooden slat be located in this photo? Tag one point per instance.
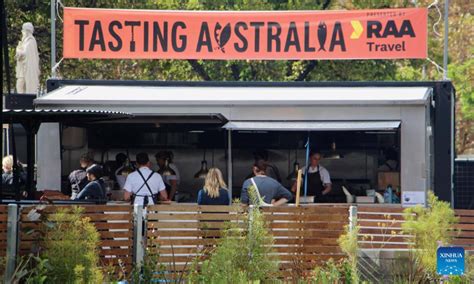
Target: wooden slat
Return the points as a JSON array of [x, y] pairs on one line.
[[193, 208], [379, 209], [193, 217]]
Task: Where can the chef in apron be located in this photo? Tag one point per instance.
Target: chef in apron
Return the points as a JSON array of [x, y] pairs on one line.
[[319, 180]]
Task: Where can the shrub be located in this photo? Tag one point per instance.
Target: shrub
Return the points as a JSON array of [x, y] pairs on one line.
[[241, 256], [70, 246], [430, 227], [350, 246]]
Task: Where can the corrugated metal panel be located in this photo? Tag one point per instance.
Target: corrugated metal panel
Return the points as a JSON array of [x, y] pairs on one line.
[[313, 125], [75, 95]]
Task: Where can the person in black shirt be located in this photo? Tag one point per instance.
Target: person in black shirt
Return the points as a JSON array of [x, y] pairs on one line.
[[95, 189], [214, 191], [78, 178]]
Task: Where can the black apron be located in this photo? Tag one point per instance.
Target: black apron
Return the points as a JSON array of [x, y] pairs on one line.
[[315, 185]]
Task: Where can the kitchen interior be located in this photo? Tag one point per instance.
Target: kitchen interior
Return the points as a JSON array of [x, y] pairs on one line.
[[356, 160]]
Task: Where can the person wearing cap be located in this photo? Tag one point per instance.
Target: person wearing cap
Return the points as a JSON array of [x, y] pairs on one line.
[[95, 189]]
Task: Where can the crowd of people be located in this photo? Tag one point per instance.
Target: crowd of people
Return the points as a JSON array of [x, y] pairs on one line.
[[144, 186]]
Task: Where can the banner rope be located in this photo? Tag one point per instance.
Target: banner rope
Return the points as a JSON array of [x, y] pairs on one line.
[[58, 2], [438, 67], [440, 18], [56, 66]]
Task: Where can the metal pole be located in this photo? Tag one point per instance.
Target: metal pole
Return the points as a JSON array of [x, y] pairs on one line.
[[229, 161], [352, 218], [53, 38], [12, 242], [138, 244], [445, 51]]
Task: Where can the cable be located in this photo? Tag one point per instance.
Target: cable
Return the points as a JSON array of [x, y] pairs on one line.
[[56, 66], [58, 2], [436, 24], [438, 67]]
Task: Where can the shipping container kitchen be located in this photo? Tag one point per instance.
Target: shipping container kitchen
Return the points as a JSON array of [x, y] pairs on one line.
[[351, 123]]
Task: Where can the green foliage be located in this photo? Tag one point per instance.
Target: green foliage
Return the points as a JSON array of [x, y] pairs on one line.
[[31, 269], [333, 272], [430, 227], [241, 256], [70, 246], [348, 242]]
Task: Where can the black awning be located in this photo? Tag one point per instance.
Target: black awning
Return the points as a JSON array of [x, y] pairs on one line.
[[73, 117]]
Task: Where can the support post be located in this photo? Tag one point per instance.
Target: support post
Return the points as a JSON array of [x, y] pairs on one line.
[[53, 38], [12, 242], [352, 218], [445, 47], [138, 236], [229, 161]]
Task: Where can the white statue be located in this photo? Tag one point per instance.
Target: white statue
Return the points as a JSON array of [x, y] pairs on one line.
[[27, 62]]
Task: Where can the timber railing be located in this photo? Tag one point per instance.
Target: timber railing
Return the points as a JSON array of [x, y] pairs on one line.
[[113, 222], [381, 228], [185, 234]]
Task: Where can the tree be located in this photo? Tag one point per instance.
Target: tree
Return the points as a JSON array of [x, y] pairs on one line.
[[461, 50]]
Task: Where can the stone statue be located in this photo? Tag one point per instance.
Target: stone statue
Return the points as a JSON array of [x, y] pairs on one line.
[[27, 62]]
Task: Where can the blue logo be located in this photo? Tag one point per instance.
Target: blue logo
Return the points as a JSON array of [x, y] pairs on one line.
[[450, 261]]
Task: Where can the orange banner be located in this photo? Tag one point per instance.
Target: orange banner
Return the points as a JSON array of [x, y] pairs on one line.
[[226, 35]]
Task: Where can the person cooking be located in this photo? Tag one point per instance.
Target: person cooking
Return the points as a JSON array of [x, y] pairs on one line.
[[270, 190], [163, 159], [319, 180]]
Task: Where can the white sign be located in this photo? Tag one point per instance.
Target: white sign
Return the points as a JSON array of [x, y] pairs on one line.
[[412, 198]]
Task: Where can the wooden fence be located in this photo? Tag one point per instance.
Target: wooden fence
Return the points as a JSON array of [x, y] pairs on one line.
[[3, 229], [381, 228], [303, 237], [181, 233], [113, 222]]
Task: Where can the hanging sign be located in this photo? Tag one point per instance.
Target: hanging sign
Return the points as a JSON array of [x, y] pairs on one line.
[[227, 35]]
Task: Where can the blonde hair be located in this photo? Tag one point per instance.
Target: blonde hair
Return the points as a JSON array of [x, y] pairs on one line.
[[7, 162], [214, 181]]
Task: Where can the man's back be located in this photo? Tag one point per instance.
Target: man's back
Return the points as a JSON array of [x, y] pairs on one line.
[[268, 188], [135, 184]]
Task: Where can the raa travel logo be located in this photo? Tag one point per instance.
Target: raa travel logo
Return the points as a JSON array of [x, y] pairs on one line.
[[450, 261]]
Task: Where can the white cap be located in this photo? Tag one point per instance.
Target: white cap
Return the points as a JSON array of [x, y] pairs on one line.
[[28, 27]]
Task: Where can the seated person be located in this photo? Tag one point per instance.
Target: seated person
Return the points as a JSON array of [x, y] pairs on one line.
[[78, 178], [214, 191], [270, 190], [7, 175], [95, 189]]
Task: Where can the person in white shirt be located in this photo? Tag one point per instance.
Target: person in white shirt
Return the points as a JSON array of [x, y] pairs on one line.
[[319, 180], [144, 185]]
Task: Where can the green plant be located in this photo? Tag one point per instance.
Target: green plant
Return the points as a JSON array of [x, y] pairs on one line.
[[348, 243], [31, 269], [70, 246], [241, 256], [430, 227], [333, 272]]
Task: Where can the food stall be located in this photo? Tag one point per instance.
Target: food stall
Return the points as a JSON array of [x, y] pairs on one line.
[[223, 123]]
